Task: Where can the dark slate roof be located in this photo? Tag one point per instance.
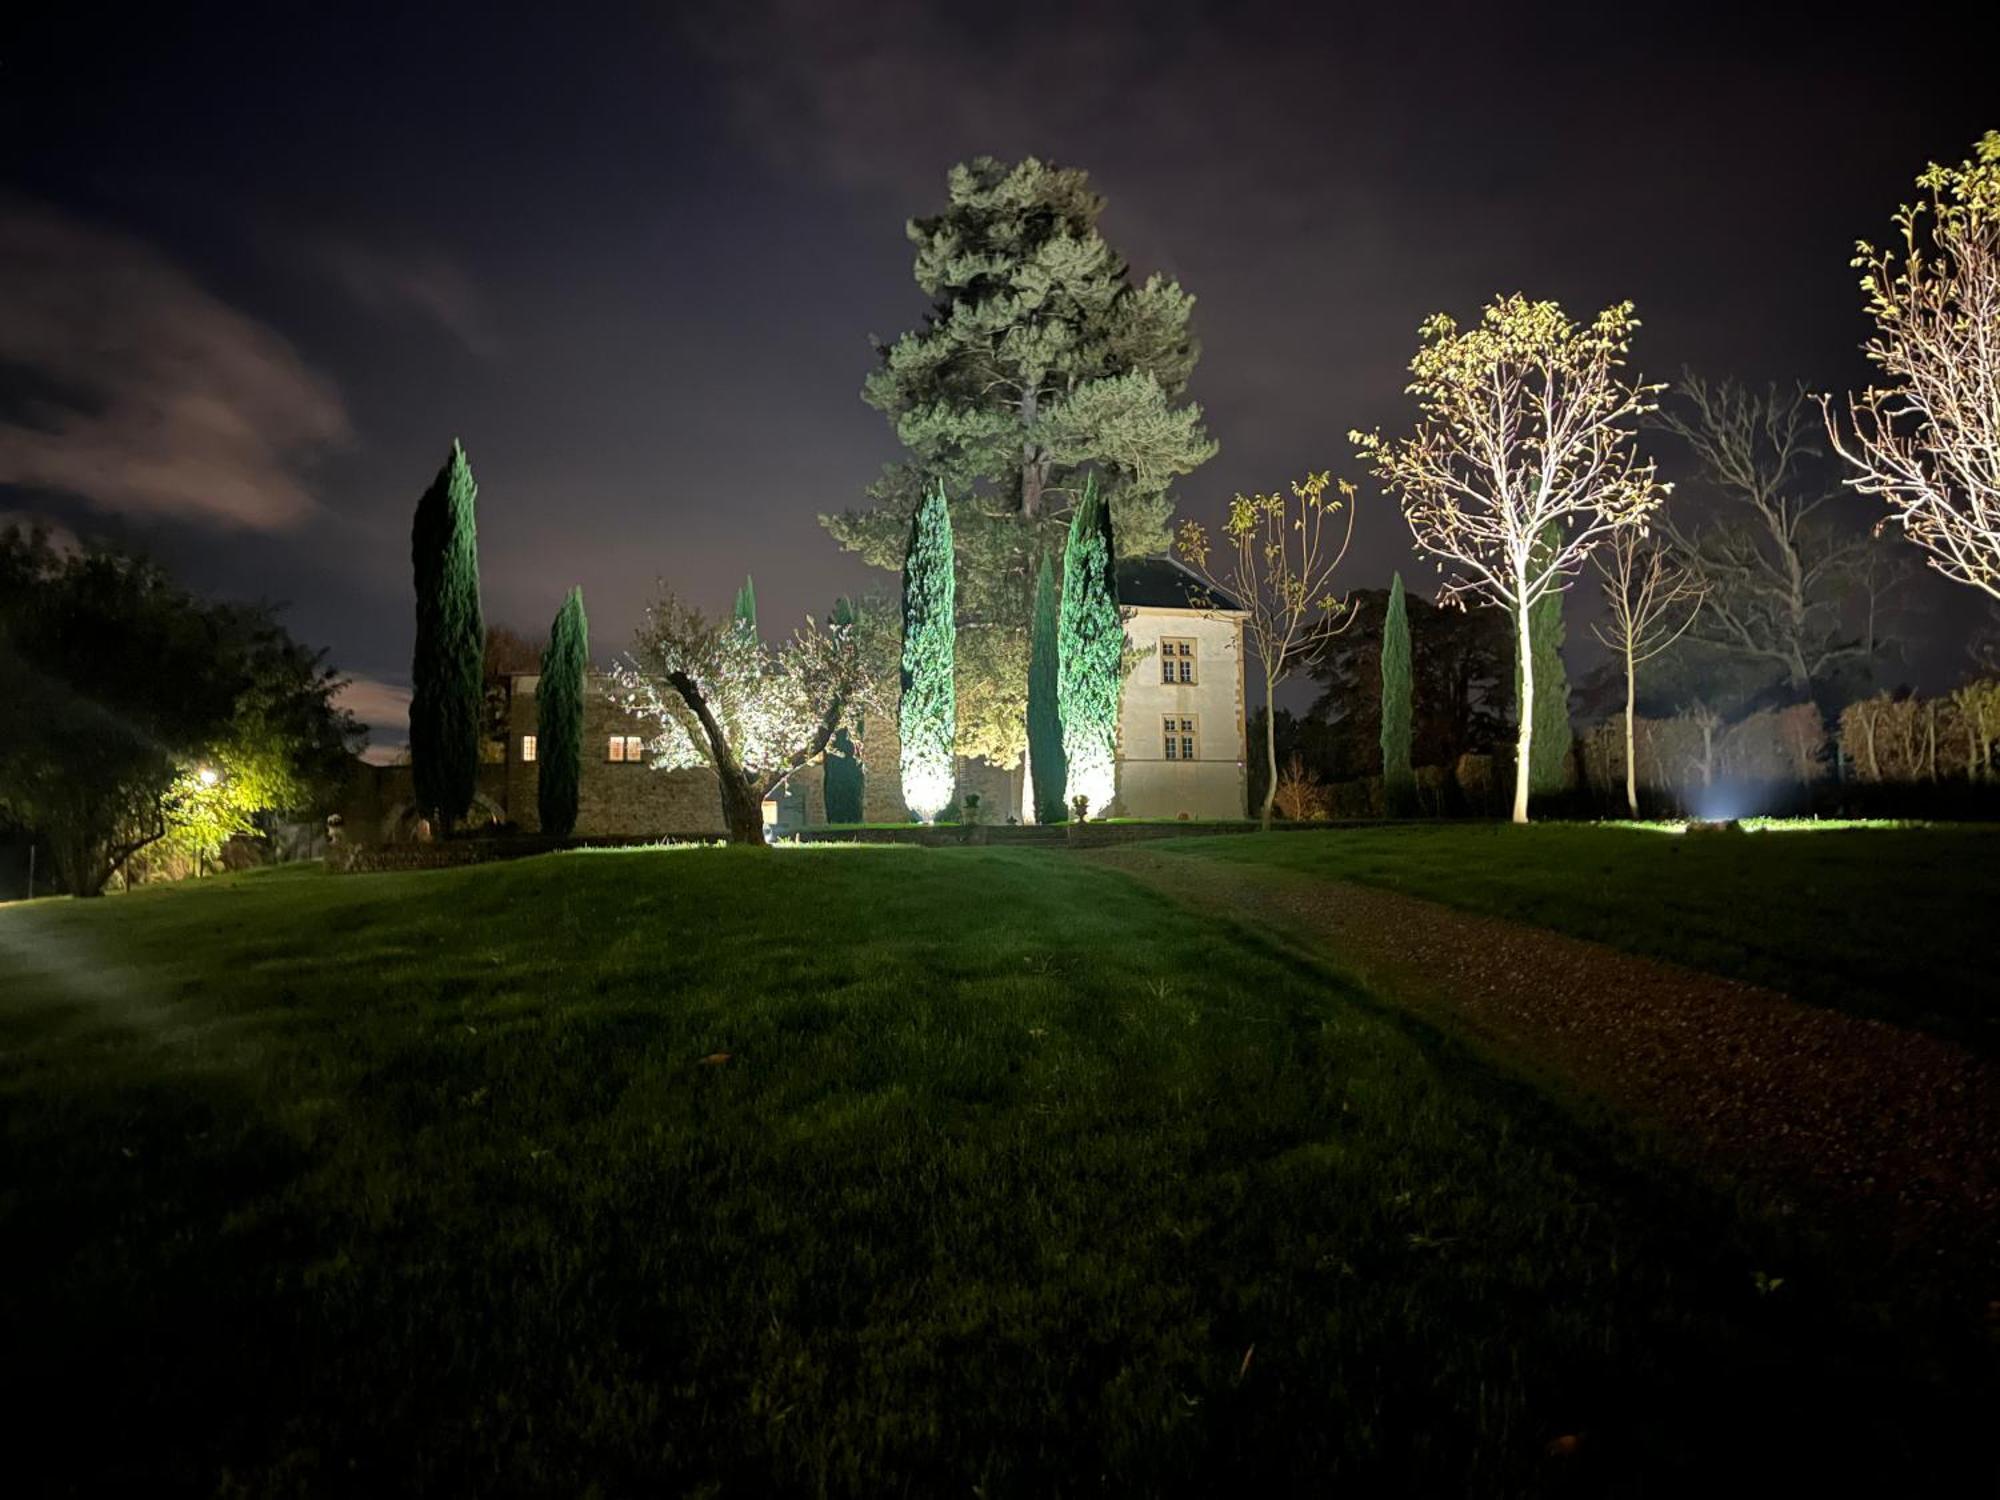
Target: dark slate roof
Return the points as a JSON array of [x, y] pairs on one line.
[[1162, 583]]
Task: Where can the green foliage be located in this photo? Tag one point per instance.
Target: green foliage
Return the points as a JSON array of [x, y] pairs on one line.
[[446, 669], [1047, 768], [929, 712], [1039, 360], [745, 610], [1090, 655], [845, 783], [559, 718], [1399, 787], [120, 688], [1548, 770]]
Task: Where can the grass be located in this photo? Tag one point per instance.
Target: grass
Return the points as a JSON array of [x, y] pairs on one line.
[[1013, 1182], [1893, 922]]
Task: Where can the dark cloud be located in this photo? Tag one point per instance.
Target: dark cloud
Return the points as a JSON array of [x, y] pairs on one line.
[[385, 708], [132, 389]]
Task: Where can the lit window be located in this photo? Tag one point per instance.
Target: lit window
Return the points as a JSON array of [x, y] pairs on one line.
[[527, 747], [627, 748], [1180, 737], [1177, 661]]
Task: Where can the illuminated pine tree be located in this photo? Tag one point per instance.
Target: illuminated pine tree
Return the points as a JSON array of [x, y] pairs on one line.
[[929, 714], [559, 718], [1090, 655], [1399, 787], [1046, 767], [745, 611], [446, 697]]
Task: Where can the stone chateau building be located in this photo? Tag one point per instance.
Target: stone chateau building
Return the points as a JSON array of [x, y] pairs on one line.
[[1181, 738]]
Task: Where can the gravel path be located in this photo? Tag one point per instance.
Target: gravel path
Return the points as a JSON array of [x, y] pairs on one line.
[[1897, 1128]]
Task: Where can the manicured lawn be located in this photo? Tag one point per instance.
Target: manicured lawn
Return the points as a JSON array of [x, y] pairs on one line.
[[1014, 1181], [1896, 923]]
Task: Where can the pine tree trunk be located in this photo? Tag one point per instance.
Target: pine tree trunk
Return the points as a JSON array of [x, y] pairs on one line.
[[1524, 737]]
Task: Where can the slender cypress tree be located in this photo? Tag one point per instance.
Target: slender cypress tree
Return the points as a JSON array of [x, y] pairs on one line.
[[446, 698], [845, 785], [1552, 736], [559, 718], [746, 603], [1090, 654], [1399, 787], [1047, 769], [928, 721]]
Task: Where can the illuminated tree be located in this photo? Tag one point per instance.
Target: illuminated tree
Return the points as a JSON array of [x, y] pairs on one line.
[[745, 612], [1047, 769], [559, 718], [1650, 601], [1280, 555], [928, 714], [1526, 421], [1399, 786], [1927, 438], [1778, 570], [446, 672], [714, 694], [1090, 656], [1038, 361]]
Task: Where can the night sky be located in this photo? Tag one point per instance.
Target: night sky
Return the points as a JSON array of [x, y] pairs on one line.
[[259, 266]]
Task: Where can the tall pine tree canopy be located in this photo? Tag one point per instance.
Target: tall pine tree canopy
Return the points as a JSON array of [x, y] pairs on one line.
[[745, 610], [1090, 664], [929, 712], [446, 670], [1398, 783], [559, 718], [1047, 769], [1039, 361]]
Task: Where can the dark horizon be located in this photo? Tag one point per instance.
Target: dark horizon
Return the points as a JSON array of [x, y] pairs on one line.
[[268, 266]]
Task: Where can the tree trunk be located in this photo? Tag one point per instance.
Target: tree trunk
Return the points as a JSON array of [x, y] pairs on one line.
[[1524, 737], [1033, 467], [1631, 760], [1270, 749], [742, 809]]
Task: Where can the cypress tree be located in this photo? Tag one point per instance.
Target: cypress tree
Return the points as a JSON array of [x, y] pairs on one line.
[[1090, 654], [844, 781], [1549, 746], [746, 603], [928, 720], [1399, 787], [559, 718], [1047, 768], [446, 697]]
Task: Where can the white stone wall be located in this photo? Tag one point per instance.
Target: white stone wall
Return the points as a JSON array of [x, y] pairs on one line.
[[1215, 783]]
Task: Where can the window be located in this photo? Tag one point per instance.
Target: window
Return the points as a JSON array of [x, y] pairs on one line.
[[527, 747], [1181, 738], [630, 748], [1177, 660]]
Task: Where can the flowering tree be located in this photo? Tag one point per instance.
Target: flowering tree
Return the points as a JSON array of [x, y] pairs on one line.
[[1526, 427], [716, 695], [1282, 552], [1927, 439], [1650, 601]]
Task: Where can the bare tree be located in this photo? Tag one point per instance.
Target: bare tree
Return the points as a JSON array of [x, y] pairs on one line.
[[1526, 430], [1282, 554], [1651, 600], [1927, 438], [1778, 571]]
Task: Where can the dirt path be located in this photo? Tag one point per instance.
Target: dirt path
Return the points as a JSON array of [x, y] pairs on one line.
[[1815, 1106]]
